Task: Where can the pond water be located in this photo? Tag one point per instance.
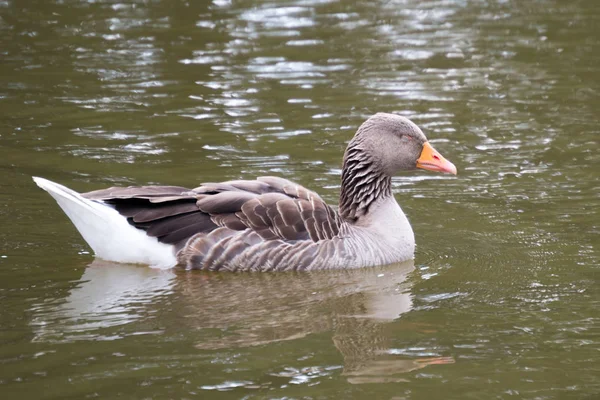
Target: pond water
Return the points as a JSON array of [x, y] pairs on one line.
[[502, 298]]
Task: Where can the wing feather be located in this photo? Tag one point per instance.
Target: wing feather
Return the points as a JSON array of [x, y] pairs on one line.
[[274, 208], [141, 192], [165, 226], [224, 202], [163, 210]]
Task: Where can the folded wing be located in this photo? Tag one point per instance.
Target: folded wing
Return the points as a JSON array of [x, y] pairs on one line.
[[274, 208]]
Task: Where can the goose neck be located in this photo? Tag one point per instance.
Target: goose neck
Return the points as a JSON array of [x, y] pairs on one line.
[[363, 186]]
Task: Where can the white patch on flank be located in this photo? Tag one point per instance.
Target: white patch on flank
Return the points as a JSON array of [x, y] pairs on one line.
[[107, 232]]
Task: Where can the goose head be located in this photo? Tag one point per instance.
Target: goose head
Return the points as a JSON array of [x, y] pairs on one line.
[[392, 143]]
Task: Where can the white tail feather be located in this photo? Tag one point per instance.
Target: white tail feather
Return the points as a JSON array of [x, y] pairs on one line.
[[107, 232]]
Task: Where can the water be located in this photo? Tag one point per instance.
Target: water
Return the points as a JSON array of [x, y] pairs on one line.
[[502, 299]]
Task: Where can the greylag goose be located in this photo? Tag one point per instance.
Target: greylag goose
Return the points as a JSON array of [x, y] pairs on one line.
[[268, 224]]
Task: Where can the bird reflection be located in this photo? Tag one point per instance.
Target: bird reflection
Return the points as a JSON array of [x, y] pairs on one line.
[[106, 295], [240, 310]]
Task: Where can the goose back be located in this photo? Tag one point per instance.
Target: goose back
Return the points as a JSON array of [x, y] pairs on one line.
[[202, 222]]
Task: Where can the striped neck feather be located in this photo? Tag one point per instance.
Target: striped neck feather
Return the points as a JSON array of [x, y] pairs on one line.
[[363, 184]]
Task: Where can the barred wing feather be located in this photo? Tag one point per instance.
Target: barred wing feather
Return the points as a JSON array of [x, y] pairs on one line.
[[274, 208]]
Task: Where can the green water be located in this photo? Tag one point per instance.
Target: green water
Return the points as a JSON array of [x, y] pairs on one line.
[[503, 298]]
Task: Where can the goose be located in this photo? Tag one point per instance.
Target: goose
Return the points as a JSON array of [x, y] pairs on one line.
[[267, 224]]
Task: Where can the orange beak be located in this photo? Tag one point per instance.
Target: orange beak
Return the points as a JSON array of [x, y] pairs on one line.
[[432, 160]]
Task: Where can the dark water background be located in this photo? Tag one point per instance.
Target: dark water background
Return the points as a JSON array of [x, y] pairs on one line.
[[503, 298]]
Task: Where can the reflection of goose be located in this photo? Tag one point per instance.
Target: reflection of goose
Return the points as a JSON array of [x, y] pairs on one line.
[[266, 224], [355, 305], [228, 311], [262, 308], [107, 295]]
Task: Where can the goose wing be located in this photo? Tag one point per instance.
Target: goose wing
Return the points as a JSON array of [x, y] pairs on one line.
[[275, 208]]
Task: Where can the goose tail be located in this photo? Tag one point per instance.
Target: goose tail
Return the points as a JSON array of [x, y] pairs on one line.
[[106, 231]]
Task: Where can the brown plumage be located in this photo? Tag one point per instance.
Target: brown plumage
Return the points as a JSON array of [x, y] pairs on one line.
[[275, 209], [267, 224]]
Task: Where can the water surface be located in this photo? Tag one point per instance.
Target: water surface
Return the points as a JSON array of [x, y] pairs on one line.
[[502, 298]]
